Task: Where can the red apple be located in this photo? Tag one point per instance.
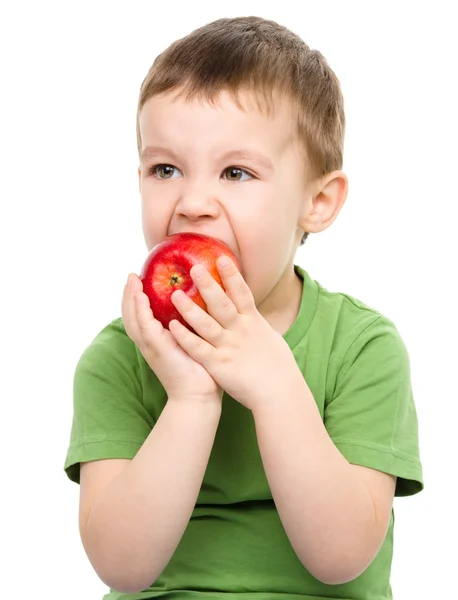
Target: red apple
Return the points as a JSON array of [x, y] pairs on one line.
[[166, 269]]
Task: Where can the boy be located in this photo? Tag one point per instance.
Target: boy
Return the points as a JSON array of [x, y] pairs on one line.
[[259, 458]]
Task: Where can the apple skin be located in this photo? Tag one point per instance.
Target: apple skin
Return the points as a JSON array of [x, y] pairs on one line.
[[167, 266]]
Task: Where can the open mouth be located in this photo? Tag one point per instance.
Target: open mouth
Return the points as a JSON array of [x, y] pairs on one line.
[[235, 249]]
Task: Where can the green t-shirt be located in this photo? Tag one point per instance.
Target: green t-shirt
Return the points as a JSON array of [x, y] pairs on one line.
[[234, 547]]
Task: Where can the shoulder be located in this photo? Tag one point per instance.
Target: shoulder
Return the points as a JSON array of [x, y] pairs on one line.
[[349, 312], [115, 400], [113, 341], [112, 333], [369, 410], [347, 323], [111, 355], [348, 331]]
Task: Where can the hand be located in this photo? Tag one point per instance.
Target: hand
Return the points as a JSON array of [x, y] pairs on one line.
[[237, 346], [181, 375]]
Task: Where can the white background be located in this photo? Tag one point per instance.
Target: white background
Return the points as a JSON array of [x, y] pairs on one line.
[[70, 233]]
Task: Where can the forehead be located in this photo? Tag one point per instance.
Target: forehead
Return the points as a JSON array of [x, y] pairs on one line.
[[228, 117]]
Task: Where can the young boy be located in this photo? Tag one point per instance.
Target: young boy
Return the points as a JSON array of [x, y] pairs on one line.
[[259, 458]]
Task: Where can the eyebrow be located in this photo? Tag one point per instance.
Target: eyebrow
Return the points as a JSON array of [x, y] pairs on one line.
[[248, 154], [155, 150], [241, 154]]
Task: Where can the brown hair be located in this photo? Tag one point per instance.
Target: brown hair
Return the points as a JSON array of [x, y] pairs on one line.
[[261, 56]]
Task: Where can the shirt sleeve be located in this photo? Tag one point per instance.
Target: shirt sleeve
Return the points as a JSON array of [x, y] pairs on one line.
[[371, 416], [110, 419]]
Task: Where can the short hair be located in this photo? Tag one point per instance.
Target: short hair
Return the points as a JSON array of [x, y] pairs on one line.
[[260, 56]]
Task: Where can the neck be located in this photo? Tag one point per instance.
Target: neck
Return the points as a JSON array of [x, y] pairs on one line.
[[281, 307]]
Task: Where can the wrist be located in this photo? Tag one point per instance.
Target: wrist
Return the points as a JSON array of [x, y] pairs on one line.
[[197, 412], [281, 396], [212, 401]]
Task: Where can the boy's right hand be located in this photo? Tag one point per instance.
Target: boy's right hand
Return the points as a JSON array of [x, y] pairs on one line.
[[181, 376]]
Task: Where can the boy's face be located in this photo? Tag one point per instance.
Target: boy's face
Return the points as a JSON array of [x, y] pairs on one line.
[[237, 176]]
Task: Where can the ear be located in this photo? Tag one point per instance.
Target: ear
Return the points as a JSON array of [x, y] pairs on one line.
[[325, 202], [140, 180]]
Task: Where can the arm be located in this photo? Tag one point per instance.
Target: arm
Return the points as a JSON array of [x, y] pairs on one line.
[[133, 526], [335, 514], [133, 514]]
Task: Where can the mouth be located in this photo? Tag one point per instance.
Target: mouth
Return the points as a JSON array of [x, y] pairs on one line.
[[210, 235], [232, 246]]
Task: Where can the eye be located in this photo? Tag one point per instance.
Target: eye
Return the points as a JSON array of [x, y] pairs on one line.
[[165, 171], [236, 174]]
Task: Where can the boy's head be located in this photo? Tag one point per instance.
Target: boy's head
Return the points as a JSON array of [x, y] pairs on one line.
[[229, 90]]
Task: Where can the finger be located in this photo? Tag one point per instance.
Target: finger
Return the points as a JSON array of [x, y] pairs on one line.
[[129, 317], [219, 305], [202, 323], [195, 346], [236, 287], [148, 327]]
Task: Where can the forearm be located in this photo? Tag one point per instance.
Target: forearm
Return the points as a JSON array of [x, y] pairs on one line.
[[324, 505], [137, 522]]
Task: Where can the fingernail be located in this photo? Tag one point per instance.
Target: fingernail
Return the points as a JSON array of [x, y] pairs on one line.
[[224, 262], [197, 271], [178, 296]]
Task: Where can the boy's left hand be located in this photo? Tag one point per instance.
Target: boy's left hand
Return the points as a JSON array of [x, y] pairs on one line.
[[237, 346]]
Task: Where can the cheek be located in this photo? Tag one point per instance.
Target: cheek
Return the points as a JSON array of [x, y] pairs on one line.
[[154, 222], [265, 250], [261, 266]]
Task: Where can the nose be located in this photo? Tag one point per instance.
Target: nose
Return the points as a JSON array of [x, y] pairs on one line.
[[197, 201]]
